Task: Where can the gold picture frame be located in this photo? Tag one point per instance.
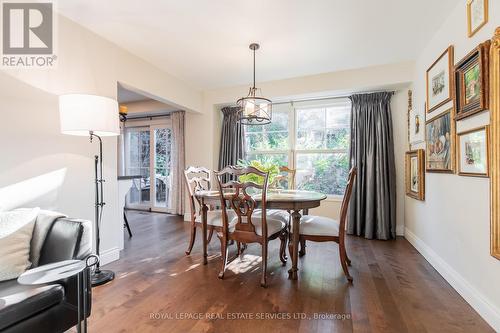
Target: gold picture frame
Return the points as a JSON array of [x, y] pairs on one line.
[[415, 174], [440, 143], [472, 82], [439, 80], [495, 145], [472, 13], [460, 154]]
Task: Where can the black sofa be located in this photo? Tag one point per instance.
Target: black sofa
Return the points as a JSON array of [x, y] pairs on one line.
[[51, 307]]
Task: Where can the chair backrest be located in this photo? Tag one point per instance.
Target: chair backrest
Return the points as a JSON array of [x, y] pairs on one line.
[[197, 179], [347, 198], [286, 178], [235, 195]]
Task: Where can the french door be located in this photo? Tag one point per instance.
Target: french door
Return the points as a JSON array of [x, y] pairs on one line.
[[148, 148]]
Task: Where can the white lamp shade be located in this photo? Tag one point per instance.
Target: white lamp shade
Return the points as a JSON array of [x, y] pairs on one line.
[[81, 114]]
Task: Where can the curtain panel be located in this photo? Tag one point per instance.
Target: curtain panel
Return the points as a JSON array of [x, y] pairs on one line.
[[232, 143], [372, 212], [178, 163]]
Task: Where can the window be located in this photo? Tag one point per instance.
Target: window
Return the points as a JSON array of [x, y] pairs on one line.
[[312, 137]]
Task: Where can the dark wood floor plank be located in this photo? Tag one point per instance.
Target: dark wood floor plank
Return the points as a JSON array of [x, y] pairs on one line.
[[394, 290]]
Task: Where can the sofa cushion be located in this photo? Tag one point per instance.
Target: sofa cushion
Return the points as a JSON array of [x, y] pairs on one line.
[[16, 230], [43, 223], [18, 302], [62, 241]]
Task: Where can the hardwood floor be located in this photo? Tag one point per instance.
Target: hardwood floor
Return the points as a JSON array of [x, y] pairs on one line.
[[160, 289]]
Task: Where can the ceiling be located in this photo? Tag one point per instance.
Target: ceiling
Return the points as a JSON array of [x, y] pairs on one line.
[[205, 43]]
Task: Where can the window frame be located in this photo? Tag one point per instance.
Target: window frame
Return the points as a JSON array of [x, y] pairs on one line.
[[292, 151]]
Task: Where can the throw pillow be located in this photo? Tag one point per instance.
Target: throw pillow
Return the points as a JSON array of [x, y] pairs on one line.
[[16, 230]]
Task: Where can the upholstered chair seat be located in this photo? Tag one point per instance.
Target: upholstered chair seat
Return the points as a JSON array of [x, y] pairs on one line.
[[318, 226], [214, 217], [273, 225], [275, 214]]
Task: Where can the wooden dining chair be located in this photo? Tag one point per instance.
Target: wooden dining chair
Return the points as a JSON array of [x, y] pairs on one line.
[[324, 229], [198, 179], [247, 226]]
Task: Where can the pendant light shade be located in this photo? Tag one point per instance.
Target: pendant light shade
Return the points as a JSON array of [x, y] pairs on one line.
[[255, 109]]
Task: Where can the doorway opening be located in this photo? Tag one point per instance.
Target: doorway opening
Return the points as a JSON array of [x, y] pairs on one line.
[[145, 150]]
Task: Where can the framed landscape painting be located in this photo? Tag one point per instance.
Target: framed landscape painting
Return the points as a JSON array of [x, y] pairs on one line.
[[472, 82], [415, 175], [440, 143], [477, 15], [473, 152], [439, 81]]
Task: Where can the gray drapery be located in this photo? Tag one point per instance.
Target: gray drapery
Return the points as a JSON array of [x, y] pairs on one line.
[[232, 142], [178, 160], [372, 212]]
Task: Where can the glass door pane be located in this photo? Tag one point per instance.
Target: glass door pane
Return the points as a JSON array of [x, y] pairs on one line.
[[162, 167], [137, 162]]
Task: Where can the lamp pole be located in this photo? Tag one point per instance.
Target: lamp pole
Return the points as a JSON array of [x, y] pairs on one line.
[[99, 276]]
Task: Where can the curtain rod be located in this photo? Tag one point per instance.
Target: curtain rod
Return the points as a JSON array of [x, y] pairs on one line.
[[332, 97], [166, 115]]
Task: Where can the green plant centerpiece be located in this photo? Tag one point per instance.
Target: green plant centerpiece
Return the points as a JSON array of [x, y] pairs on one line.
[[270, 167]]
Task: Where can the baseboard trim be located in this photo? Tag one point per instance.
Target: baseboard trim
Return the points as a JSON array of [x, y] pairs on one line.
[[109, 255], [488, 311]]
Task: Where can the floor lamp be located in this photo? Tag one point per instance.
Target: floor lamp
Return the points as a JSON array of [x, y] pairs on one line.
[[94, 117]]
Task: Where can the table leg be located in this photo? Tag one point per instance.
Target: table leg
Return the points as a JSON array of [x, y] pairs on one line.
[[79, 298], [292, 272], [85, 292], [204, 211]]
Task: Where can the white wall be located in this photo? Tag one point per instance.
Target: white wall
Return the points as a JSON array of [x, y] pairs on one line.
[[30, 141], [451, 227], [199, 127]]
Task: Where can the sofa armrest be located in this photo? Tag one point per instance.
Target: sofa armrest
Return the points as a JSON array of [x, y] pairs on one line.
[[66, 239]]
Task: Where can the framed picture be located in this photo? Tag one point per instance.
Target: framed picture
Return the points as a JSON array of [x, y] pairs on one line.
[[477, 15], [440, 141], [416, 126], [473, 152], [472, 82], [415, 175], [439, 81]]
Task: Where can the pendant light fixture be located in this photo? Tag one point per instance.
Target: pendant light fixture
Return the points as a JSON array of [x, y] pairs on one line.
[[255, 110]]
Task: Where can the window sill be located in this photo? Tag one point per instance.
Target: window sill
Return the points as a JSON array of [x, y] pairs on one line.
[[334, 198]]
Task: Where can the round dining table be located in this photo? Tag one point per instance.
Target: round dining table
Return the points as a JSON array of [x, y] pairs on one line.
[[293, 201]]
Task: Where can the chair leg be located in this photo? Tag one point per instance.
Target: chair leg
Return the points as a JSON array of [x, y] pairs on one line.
[[224, 254], [343, 262], [238, 246], [283, 237], [191, 241], [126, 223], [302, 251], [263, 280], [347, 260], [210, 235]]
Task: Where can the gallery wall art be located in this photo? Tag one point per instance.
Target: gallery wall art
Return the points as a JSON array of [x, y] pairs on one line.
[[472, 82], [477, 15], [473, 152], [440, 143], [439, 81], [415, 174]]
